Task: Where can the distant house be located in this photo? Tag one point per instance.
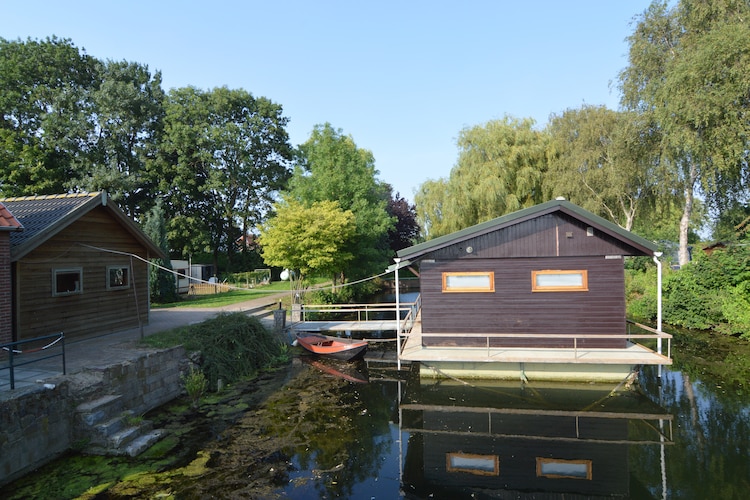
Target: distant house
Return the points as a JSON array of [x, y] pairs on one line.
[[546, 277], [8, 224], [79, 266]]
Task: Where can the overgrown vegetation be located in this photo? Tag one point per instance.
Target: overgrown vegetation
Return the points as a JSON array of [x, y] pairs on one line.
[[710, 293], [232, 346]]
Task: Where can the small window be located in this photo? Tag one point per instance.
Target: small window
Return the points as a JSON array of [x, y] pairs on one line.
[[556, 468], [469, 282], [67, 282], [481, 465], [118, 277], [559, 281]]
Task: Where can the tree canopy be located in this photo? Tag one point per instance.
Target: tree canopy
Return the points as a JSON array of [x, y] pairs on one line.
[[310, 239], [332, 168]]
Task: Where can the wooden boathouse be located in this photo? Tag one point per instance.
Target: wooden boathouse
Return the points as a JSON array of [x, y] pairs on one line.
[[535, 294]]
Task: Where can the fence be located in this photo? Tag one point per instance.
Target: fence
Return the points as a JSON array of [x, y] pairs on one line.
[[13, 350]]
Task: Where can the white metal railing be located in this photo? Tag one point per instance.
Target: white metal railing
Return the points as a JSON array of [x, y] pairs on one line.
[[574, 337], [364, 312]]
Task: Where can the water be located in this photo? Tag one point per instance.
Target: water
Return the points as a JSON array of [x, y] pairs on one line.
[[373, 434]]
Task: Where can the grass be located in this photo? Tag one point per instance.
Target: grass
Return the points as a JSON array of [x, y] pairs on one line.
[[226, 298], [234, 296]]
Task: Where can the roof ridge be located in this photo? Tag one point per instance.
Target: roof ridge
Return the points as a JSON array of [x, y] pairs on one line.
[[52, 196]]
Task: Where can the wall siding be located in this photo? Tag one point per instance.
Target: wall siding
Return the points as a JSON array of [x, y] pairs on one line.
[[514, 308], [550, 235], [97, 310], [6, 309]]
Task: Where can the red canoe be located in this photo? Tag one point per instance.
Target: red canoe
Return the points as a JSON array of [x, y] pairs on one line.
[[332, 347]]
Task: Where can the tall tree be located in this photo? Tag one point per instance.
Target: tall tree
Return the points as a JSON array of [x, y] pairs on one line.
[[162, 284], [224, 155], [688, 72], [129, 109], [332, 167], [405, 230], [601, 161], [500, 169], [45, 114], [430, 201]]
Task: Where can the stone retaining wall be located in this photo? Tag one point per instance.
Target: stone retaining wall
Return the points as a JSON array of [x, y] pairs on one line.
[[37, 424]]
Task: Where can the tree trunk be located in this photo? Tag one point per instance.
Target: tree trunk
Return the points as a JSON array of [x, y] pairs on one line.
[[687, 212]]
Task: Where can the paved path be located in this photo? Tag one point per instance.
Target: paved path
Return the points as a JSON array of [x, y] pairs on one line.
[[117, 347]]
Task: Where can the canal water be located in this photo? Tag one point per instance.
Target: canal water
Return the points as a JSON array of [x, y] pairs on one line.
[[341, 430]]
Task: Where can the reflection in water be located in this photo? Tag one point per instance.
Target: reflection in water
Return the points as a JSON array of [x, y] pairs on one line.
[[503, 440], [324, 435]]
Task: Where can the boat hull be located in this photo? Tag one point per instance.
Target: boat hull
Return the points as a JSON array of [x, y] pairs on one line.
[[332, 347]]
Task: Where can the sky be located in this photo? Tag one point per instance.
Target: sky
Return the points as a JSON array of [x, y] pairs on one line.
[[402, 78]]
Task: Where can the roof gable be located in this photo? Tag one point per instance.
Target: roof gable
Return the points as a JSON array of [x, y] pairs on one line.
[[636, 244], [7, 221], [45, 216]]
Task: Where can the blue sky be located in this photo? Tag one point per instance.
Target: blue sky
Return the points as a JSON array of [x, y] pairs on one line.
[[403, 78]]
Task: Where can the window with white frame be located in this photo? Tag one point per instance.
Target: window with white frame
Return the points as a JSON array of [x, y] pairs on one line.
[[466, 282], [559, 281]]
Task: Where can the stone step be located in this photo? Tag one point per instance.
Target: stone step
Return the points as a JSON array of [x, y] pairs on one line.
[[144, 442], [99, 410]]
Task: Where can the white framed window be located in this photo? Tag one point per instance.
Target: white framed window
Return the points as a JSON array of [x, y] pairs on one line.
[[481, 465], [466, 282], [559, 281], [118, 277], [67, 281], [557, 468]]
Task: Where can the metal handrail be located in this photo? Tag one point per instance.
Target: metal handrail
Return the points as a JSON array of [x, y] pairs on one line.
[[574, 337], [13, 352], [360, 309]]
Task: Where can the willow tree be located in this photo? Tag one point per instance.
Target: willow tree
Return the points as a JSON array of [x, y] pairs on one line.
[[689, 73], [600, 161], [500, 169]]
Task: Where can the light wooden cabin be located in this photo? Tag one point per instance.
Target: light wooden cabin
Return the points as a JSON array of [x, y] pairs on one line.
[[78, 267]]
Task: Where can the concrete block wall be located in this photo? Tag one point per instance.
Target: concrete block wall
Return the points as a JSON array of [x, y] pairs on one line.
[[37, 424], [35, 427], [148, 381]]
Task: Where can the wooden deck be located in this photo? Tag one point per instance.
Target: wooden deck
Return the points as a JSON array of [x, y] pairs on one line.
[[632, 354]]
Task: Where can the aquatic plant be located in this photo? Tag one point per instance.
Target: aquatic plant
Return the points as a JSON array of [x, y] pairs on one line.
[[196, 385]]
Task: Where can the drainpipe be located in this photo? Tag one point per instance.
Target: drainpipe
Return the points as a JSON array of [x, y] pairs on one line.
[[658, 302], [397, 260]]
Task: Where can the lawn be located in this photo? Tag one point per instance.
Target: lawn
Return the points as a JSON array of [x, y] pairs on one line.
[[226, 298]]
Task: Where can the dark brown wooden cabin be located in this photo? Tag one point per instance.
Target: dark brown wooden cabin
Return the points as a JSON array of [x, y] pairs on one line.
[[554, 268], [79, 266]]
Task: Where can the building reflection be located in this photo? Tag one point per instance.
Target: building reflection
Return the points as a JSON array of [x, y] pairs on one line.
[[503, 440]]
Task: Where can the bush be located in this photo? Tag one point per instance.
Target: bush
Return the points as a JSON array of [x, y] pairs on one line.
[[232, 346]]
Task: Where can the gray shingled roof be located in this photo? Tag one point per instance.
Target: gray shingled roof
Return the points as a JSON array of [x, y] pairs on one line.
[[417, 251], [45, 216]]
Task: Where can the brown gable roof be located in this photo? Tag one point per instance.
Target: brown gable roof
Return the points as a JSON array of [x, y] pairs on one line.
[[640, 246], [7, 221], [45, 216]]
